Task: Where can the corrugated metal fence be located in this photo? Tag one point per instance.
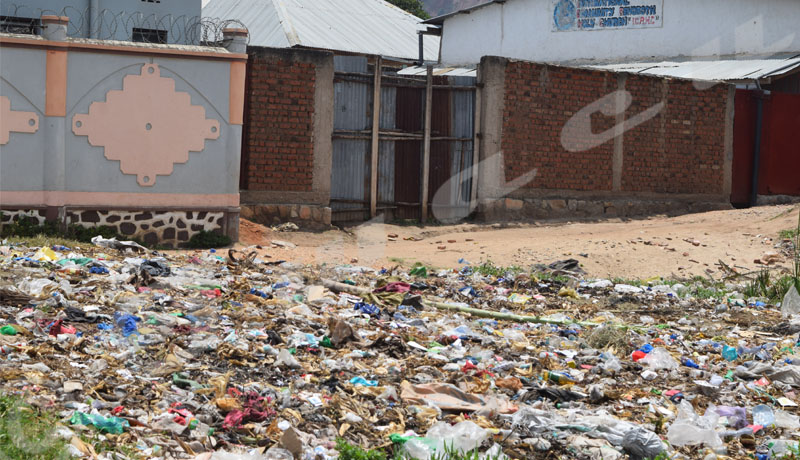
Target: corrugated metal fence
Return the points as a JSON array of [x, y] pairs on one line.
[[401, 141]]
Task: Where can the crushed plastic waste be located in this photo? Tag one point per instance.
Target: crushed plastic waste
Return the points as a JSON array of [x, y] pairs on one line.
[[194, 355]]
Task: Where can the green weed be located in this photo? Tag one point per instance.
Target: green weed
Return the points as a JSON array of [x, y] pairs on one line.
[[789, 234], [488, 268], [764, 286], [548, 276], [702, 292], [28, 230], [27, 433], [631, 282], [207, 240], [348, 451]]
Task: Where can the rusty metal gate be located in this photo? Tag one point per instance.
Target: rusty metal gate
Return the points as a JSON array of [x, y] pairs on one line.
[[399, 142]]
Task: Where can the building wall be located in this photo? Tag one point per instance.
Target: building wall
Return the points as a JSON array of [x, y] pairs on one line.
[[109, 128], [115, 19], [599, 142], [287, 145], [524, 29]]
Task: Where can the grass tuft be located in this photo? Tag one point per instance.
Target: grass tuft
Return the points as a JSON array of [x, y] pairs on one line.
[[488, 268], [27, 433]]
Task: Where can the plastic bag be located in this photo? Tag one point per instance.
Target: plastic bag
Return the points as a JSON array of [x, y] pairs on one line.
[[127, 323], [610, 363], [659, 359], [689, 429], [737, 416], [791, 302], [286, 359], [763, 415], [461, 437], [113, 425], [640, 444], [786, 420]]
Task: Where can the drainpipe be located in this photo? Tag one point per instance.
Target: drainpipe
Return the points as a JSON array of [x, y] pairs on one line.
[[421, 36], [94, 22], [757, 147]]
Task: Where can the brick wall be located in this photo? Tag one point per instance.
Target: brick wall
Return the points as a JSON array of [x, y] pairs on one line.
[[680, 150], [538, 102], [279, 148]]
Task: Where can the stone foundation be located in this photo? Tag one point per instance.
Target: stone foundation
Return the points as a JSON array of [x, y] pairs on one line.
[[8, 216], [571, 208], [167, 227], [307, 216]]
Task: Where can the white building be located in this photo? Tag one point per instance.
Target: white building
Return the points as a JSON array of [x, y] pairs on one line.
[[604, 31]]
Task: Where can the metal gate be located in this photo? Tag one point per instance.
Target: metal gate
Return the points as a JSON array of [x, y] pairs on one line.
[[399, 142], [778, 162]]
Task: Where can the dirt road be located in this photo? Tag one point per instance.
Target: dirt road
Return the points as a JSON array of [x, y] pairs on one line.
[[681, 246]]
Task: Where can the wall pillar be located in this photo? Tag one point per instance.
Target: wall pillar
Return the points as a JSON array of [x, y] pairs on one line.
[[619, 132], [492, 72], [727, 165], [54, 123], [323, 131]]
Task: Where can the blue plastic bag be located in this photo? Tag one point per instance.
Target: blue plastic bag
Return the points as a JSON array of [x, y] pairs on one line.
[[363, 382], [127, 323], [369, 309]]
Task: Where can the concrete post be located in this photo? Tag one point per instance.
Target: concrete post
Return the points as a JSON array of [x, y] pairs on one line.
[[376, 120], [492, 83], [426, 146], [94, 21], [55, 27], [235, 40]]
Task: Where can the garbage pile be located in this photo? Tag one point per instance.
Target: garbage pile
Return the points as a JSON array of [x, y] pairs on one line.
[[222, 355]]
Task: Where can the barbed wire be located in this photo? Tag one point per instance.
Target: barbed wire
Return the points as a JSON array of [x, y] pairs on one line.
[[106, 24]]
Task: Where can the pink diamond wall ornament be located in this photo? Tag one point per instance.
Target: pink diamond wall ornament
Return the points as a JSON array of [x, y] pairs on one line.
[[147, 126]]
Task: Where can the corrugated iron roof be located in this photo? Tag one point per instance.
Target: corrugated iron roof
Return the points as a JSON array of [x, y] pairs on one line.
[[370, 27], [438, 20], [438, 71], [734, 69]]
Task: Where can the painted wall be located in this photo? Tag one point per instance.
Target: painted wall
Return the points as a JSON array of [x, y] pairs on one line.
[[115, 19], [114, 127], [527, 29]]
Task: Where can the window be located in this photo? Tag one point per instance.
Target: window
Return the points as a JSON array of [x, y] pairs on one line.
[[149, 35], [16, 25]]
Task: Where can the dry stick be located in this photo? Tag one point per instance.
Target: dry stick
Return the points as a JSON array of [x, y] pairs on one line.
[[341, 287]]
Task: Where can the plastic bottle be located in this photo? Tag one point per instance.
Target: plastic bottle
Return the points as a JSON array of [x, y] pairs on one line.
[[555, 377], [689, 363]]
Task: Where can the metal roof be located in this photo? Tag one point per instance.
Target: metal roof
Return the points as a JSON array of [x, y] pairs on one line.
[[372, 27], [440, 19], [439, 71], [731, 69]]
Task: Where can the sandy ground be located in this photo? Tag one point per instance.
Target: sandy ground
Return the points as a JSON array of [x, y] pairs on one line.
[[680, 247]]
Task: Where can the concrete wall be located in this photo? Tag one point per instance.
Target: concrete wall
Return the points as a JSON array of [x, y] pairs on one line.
[[600, 143], [115, 19], [525, 29], [288, 148], [96, 127]]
